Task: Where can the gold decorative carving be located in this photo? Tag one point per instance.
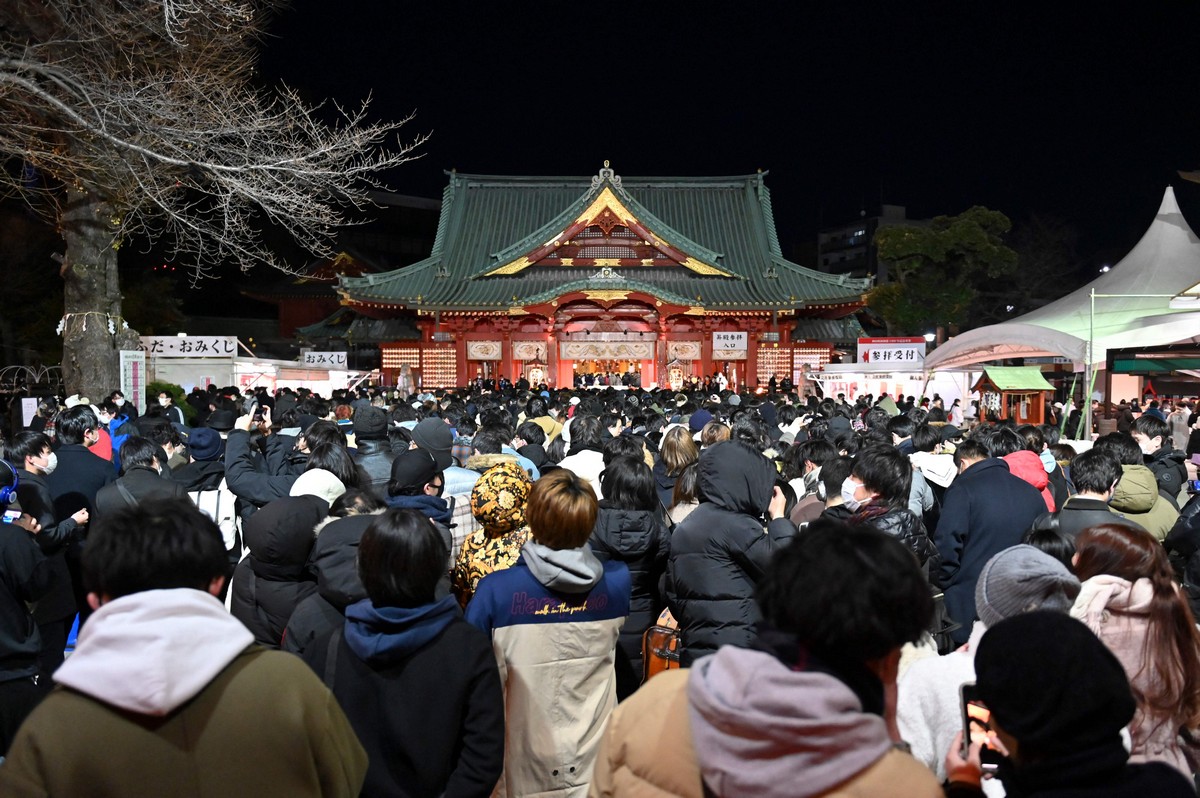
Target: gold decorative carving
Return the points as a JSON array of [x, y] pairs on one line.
[[700, 267], [683, 350], [608, 205], [606, 350], [694, 310], [606, 262], [483, 350], [513, 267], [517, 310], [567, 261], [529, 350], [606, 295]]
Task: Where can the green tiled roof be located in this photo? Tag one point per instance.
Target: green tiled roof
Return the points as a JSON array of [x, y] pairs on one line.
[[1018, 378], [489, 221]]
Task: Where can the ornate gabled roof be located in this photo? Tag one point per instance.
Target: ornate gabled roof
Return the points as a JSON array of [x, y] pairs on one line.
[[354, 328], [515, 241], [318, 278]]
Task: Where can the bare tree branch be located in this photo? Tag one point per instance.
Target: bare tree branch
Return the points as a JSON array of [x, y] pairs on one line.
[[150, 107]]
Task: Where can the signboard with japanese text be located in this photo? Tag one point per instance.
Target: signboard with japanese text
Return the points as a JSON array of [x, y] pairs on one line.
[[133, 378], [190, 345], [905, 353], [729, 345], [335, 360], [28, 411]]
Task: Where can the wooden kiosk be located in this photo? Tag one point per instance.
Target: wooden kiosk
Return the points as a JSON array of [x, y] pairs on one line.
[[1016, 392]]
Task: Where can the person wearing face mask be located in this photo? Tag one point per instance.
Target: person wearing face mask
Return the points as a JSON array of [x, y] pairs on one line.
[[986, 510], [54, 613], [876, 493]]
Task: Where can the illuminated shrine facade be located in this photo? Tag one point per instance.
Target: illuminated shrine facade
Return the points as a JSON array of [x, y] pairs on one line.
[[551, 277]]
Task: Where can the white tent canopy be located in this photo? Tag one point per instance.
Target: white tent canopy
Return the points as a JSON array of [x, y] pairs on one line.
[[1166, 261]]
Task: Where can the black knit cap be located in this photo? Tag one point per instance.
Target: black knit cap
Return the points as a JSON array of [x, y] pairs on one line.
[[1051, 683]]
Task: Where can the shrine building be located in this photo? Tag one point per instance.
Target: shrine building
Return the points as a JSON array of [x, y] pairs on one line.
[[552, 277]]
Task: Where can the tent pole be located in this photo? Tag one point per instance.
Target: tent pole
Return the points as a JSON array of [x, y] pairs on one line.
[[1091, 374]]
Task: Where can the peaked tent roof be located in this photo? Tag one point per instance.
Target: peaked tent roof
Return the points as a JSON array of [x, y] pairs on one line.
[[1165, 262], [490, 223]]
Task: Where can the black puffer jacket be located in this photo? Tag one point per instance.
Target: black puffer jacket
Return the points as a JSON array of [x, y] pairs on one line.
[[901, 524], [1170, 472], [719, 552], [334, 564], [271, 580], [1183, 547], [638, 539]]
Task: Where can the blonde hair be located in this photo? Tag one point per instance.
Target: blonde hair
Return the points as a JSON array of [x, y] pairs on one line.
[[561, 510]]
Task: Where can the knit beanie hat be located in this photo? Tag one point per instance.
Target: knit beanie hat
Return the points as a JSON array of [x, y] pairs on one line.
[[370, 424], [204, 444], [499, 496], [1052, 684], [1023, 578], [698, 419], [318, 482]]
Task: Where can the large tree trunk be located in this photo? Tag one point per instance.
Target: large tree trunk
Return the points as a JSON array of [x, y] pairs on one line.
[[92, 299]]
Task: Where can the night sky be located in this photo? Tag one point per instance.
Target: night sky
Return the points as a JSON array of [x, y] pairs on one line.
[[1081, 112]]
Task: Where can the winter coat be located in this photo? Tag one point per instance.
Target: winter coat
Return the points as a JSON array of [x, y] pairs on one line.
[[719, 552], [1080, 512], [1183, 547], [498, 504], [928, 704], [986, 510], [248, 481], [421, 690], [551, 426], [333, 563], [1097, 772], [1170, 470], [640, 540], [900, 523], [78, 478], [664, 483], [783, 733], [586, 464], [1029, 467], [34, 495], [1118, 611], [270, 581], [200, 475], [375, 458], [553, 620], [142, 483], [1137, 499], [25, 576], [165, 695]]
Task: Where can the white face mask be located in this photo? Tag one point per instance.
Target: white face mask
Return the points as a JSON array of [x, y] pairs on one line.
[[51, 464], [1146, 446], [849, 488]]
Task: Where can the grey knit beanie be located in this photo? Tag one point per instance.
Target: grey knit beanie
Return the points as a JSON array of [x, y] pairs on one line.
[[1020, 579]]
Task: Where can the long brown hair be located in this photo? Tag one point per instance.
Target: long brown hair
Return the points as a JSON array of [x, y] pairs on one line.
[[1172, 647]]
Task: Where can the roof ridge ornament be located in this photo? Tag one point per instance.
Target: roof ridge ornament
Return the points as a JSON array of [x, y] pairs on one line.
[[607, 273], [608, 174]]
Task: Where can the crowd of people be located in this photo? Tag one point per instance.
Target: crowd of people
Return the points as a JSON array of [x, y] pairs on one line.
[[450, 593]]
